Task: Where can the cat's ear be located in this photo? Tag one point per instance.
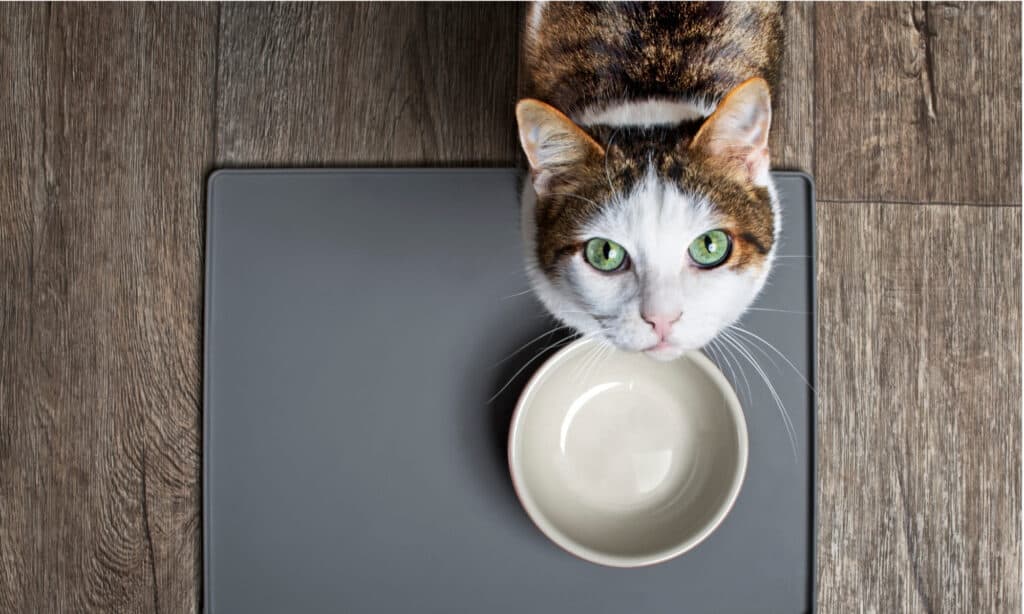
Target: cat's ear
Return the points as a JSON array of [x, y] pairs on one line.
[[736, 134], [552, 142]]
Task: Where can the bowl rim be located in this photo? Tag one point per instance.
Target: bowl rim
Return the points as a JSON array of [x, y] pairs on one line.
[[594, 556]]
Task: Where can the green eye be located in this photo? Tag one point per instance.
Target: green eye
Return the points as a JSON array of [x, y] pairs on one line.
[[605, 255], [711, 249]]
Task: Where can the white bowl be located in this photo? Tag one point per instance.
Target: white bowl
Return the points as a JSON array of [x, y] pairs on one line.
[[623, 460]]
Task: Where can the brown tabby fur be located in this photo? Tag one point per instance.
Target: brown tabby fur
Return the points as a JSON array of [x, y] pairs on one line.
[[597, 53]]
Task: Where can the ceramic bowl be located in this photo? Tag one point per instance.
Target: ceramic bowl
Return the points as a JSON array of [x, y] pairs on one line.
[[623, 460]]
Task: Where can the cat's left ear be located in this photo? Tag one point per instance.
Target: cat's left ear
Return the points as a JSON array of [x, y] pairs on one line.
[[735, 136], [552, 142]]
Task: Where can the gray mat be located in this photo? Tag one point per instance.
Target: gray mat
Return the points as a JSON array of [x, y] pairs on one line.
[[352, 463]]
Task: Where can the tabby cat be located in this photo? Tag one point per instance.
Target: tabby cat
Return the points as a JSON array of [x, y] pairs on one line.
[[649, 217]]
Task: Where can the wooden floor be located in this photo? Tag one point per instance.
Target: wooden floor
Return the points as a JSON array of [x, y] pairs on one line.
[[111, 116]]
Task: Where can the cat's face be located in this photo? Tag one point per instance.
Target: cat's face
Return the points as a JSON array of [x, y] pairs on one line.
[[656, 243]]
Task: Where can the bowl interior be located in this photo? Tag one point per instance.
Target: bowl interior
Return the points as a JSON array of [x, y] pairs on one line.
[[624, 460]]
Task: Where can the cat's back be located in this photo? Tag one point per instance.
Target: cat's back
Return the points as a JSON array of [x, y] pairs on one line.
[[601, 62]]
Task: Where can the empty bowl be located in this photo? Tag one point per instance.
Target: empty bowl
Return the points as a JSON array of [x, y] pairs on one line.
[[623, 460]]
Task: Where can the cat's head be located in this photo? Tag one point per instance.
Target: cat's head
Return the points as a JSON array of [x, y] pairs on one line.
[[653, 239]]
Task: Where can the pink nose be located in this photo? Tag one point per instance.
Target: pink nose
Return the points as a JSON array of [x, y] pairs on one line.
[[662, 323]]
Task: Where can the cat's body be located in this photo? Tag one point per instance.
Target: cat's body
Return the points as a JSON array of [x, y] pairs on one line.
[[650, 218], [585, 58]]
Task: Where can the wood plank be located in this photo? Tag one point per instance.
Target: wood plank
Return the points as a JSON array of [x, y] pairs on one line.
[[918, 102], [919, 417], [375, 83], [22, 189], [792, 135], [100, 376]]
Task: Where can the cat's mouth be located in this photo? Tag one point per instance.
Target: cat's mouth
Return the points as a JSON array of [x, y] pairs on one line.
[[663, 350]]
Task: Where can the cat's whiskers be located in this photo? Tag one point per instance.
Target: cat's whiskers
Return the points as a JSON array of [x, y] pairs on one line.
[[714, 355], [577, 370], [609, 352], [515, 375], [589, 361], [761, 351], [786, 420], [604, 351], [801, 313], [719, 359], [774, 349], [582, 366], [739, 368], [546, 333], [526, 291]]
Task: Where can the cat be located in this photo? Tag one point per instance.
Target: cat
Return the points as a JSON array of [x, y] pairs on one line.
[[649, 216]]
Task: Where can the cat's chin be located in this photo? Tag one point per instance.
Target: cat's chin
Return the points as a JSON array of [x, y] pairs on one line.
[[664, 352]]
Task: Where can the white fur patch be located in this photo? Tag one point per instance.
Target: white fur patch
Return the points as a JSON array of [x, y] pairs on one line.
[[655, 223], [651, 112]]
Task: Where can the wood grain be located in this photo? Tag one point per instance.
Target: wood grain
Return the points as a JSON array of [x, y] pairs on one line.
[[22, 191], [405, 83], [918, 102], [919, 416], [792, 133], [111, 109]]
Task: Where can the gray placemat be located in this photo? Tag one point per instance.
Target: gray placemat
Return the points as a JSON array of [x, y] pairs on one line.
[[355, 320]]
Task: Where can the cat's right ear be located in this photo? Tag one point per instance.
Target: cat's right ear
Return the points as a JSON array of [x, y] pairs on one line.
[[552, 142]]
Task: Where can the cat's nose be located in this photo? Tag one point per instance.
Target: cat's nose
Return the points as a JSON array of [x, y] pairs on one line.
[[662, 323]]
